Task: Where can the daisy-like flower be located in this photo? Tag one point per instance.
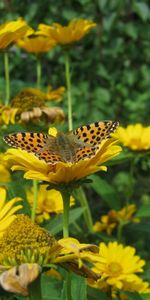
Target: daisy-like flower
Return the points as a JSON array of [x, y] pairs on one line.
[[11, 31], [31, 105], [48, 202], [62, 172], [119, 269], [65, 35], [135, 137], [110, 221], [7, 210], [36, 43]]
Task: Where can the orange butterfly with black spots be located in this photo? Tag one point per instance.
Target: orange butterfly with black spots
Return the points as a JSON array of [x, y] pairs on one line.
[[79, 144]]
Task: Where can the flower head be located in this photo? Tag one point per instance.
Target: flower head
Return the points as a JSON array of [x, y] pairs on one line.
[[12, 31], [135, 137], [62, 172], [65, 35], [7, 210], [118, 271], [49, 202], [31, 105], [36, 43]]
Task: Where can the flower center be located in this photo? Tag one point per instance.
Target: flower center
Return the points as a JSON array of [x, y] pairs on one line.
[[114, 269]]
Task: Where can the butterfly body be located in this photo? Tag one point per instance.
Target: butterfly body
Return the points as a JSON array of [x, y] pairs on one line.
[[79, 144]]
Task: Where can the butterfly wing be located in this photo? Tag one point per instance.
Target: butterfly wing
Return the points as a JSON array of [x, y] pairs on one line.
[[94, 133], [41, 145]]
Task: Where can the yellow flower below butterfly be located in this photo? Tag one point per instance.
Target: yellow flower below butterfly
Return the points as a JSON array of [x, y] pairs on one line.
[[65, 35], [119, 269], [136, 137], [48, 202], [53, 168]]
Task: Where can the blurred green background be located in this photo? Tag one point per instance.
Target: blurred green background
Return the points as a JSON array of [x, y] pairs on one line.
[[110, 66]]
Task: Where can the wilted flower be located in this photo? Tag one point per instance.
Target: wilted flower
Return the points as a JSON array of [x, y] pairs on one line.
[[119, 268], [11, 31], [48, 202], [31, 105], [65, 35], [135, 137], [30, 247]]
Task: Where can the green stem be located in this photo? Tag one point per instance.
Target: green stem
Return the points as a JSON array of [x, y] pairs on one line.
[[66, 202], [7, 79], [84, 203], [39, 72], [35, 289], [35, 198], [68, 84]]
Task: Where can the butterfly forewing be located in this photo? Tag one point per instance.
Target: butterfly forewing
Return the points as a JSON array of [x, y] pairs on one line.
[[96, 132]]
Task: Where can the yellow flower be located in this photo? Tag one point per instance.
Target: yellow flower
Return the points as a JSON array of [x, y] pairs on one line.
[[11, 31], [26, 242], [119, 267], [7, 211], [4, 169], [62, 172], [7, 115], [36, 43], [107, 222], [49, 201], [135, 137], [71, 33], [110, 221]]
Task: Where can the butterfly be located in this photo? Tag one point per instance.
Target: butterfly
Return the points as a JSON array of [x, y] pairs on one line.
[[79, 144]]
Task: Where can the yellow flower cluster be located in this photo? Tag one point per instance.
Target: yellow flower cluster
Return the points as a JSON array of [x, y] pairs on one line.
[[110, 221]]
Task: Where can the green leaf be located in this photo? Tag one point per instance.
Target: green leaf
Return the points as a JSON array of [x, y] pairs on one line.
[[51, 288], [134, 296], [79, 287], [142, 10], [55, 225], [96, 294], [144, 211], [106, 191]]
